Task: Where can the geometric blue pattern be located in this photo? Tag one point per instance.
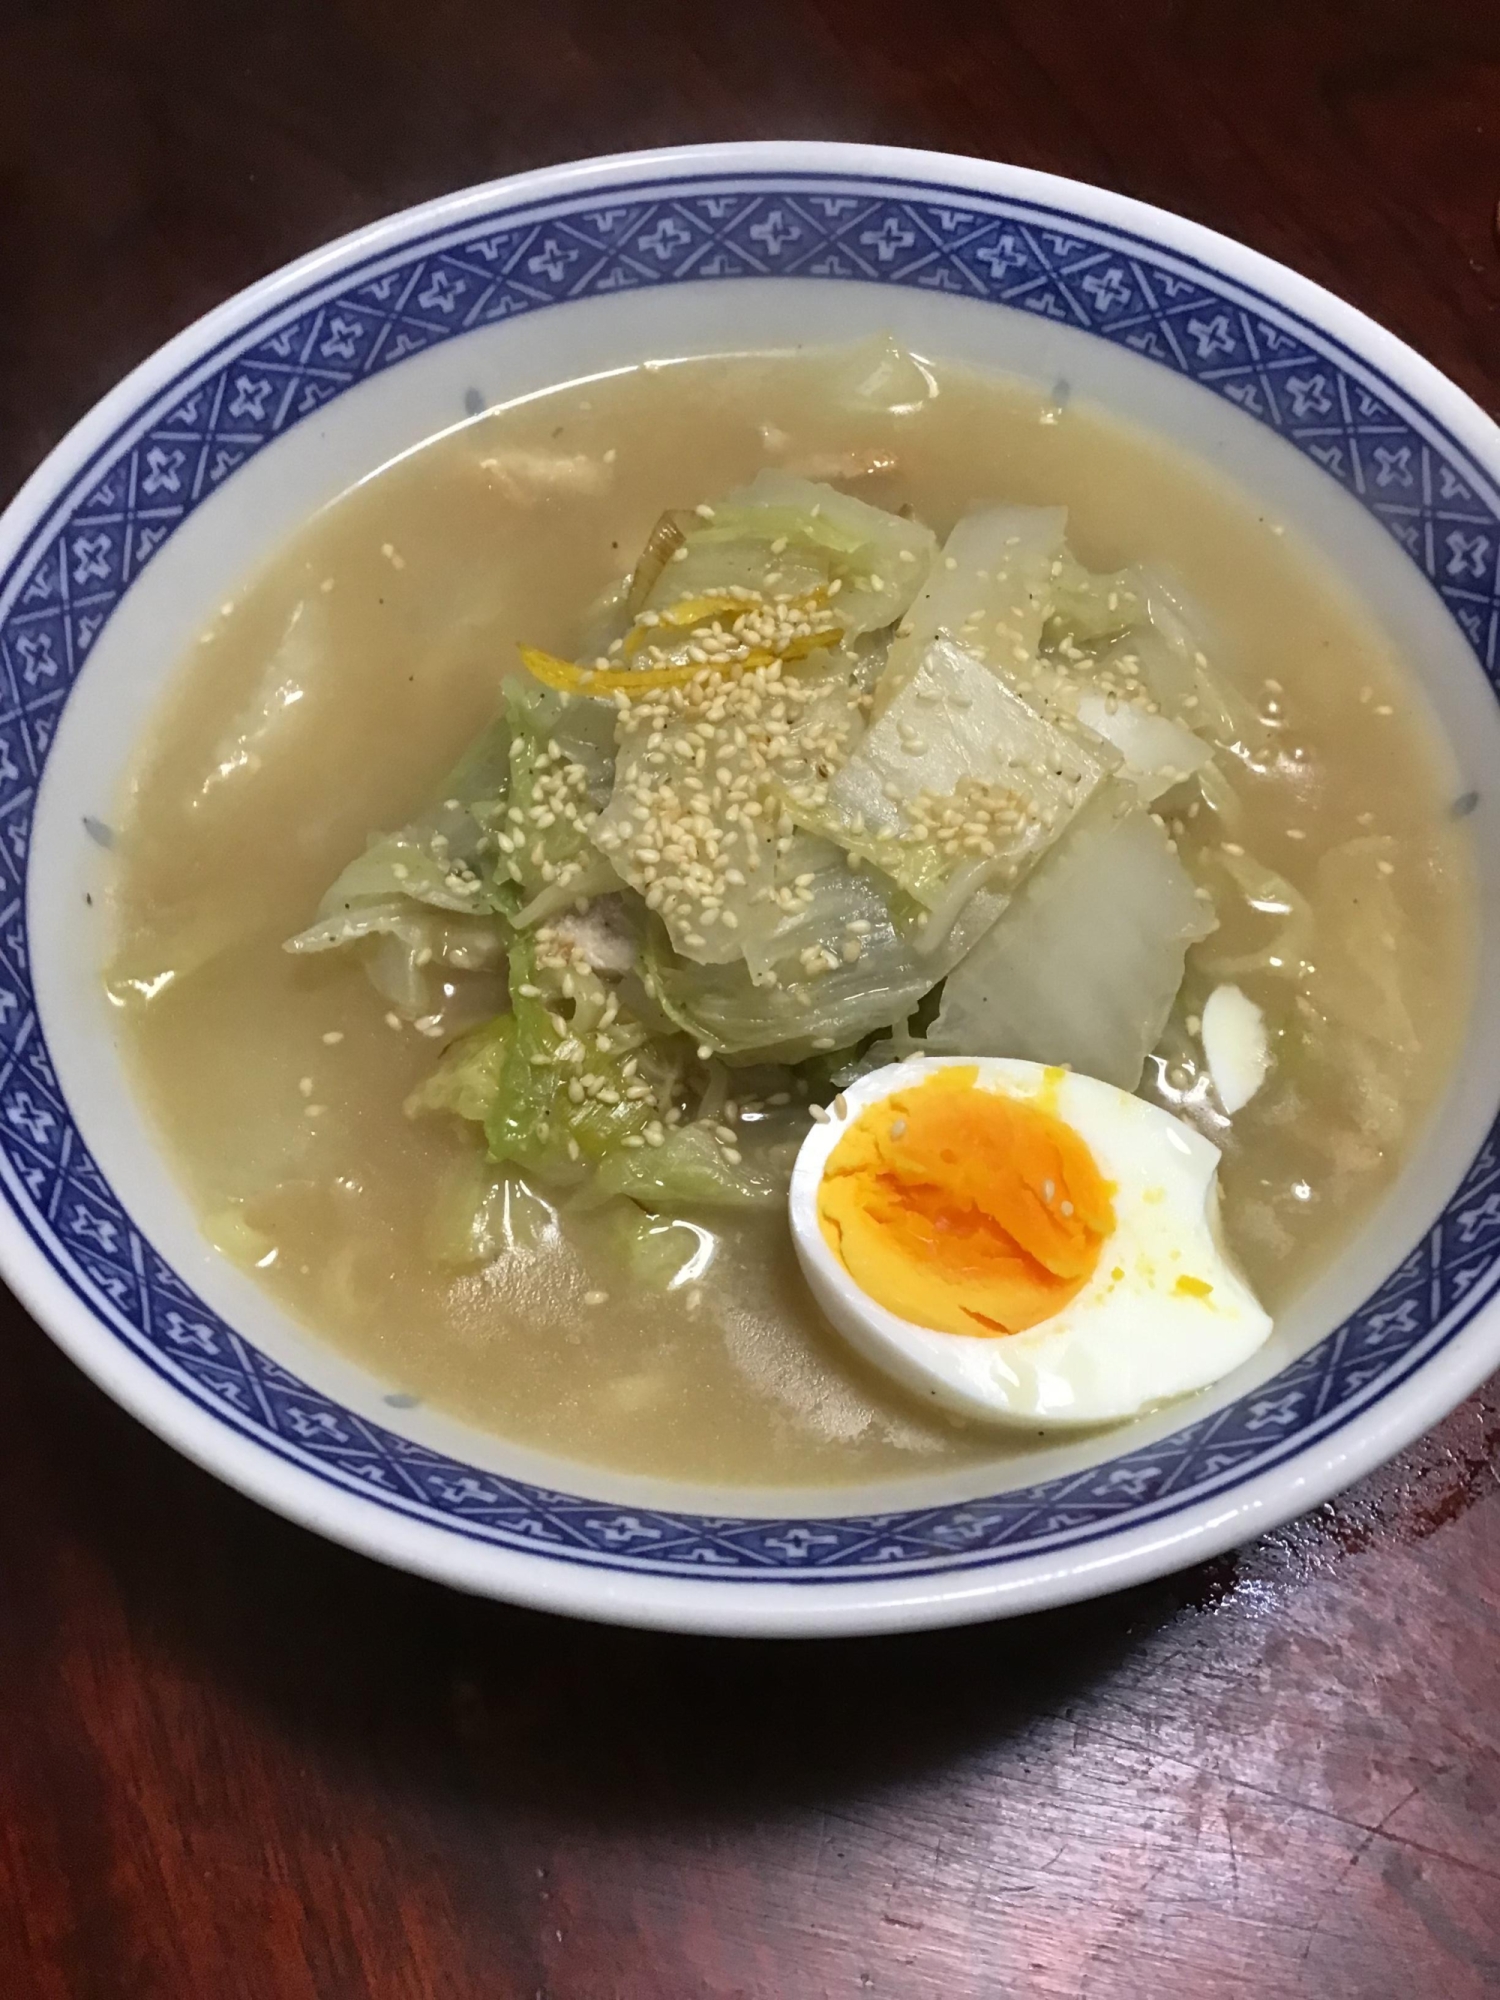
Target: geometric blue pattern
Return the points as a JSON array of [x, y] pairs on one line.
[[174, 453]]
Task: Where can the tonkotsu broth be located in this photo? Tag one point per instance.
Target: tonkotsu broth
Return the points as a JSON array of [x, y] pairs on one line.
[[368, 655]]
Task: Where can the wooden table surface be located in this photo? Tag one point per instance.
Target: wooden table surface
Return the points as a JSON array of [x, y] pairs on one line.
[[235, 1761]]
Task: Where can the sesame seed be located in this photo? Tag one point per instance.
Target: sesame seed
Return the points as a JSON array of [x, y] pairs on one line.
[[596, 1298], [334, 1036], [820, 1116]]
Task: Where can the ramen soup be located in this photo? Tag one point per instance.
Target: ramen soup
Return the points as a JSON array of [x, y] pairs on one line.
[[530, 856]]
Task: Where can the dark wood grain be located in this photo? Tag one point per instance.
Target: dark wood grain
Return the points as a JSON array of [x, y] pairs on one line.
[[237, 1762]]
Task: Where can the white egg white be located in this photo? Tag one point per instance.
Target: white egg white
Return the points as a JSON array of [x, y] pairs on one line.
[[1129, 1339]]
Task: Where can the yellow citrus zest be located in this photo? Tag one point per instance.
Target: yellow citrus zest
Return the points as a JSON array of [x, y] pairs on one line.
[[571, 679]]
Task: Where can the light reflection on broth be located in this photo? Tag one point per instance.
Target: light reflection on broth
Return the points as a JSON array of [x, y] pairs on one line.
[[335, 692]]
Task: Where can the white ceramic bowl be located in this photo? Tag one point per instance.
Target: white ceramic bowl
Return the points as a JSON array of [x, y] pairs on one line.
[[208, 456]]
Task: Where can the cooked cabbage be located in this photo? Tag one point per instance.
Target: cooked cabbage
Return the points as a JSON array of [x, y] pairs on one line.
[[878, 376], [1357, 980], [789, 536], [561, 772], [1175, 666], [419, 903], [725, 1008], [990, 591], [1084, 608], [1246, 893], [482, 1212], [956, 783], [1158, 753], [669, 811], [692, 1169], [845, 953], [1083, 967], [814, 797]]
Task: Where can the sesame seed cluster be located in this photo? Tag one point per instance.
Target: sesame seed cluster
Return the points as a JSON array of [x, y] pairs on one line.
[[460, 881], [729, 627], [697, 821], [600, 1055], [558, 788], [958, 769], [974, 820]]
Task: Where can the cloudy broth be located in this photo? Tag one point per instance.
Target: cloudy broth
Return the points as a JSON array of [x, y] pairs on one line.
[[336, 690]]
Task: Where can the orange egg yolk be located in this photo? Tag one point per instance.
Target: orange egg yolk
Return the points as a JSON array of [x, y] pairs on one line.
[[964, 1210]]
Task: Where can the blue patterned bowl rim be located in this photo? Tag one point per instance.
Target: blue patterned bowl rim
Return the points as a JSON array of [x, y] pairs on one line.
[[101, 508]]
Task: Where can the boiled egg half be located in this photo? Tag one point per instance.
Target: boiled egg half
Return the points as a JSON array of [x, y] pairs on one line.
[[1020, 1243]]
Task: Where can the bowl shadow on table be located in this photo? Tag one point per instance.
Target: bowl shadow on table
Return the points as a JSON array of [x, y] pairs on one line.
[[338, 1653]]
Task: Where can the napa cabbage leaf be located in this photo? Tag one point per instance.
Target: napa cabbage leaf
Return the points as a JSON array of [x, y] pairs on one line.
[[1084, 965], [787, 536], [957, 783]]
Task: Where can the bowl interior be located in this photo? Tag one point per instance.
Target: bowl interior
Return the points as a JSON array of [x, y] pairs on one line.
[[215, 475]]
